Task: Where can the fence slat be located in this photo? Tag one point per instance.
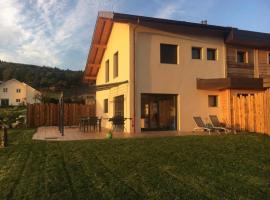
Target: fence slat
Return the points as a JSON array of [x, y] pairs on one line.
[[251, 113], [47, 114]]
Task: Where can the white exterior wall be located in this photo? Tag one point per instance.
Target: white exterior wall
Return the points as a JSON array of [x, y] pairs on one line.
[[119, 41], [26, 95], [179, 79]]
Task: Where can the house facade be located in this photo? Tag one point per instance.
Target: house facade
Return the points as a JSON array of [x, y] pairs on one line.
[[14, 92], [161, 73]]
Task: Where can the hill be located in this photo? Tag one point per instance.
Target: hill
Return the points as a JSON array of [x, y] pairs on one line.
[[50, 81], [41, 77]]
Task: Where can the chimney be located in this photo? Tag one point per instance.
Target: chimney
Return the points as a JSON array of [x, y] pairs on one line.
[[204, 22]]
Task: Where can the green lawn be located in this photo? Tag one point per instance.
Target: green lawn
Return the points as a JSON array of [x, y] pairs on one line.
[[192, 167]]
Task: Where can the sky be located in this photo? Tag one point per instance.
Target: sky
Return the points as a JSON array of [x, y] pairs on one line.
[[58, 33]]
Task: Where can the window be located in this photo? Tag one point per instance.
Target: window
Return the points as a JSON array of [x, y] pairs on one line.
[[268, 58], [5, 90], [213, 101], [18, 90], [115, 65], [241, 57], [18, 100], [196, 52], [107, 73], [105, 105], [211, 54], [168, 53], [119, 106]]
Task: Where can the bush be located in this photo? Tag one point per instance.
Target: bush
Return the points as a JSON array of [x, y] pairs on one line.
[[14, 115]]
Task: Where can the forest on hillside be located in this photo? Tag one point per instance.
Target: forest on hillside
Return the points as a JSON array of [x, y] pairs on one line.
[[41, 77]]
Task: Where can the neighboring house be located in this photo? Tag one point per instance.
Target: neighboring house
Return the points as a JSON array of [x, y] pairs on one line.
[[162, 72], [14, 92]]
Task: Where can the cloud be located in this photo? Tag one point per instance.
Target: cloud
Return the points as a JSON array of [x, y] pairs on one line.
[[171, 9], [44, 32]]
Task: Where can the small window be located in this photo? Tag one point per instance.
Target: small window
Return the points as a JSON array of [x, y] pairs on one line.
[[241, 57], [168, 53], [5, 90], [107, 72], [18, 90], [105, 105], [213, 101], [18, 100], [196, 52], [115, 65], [211, 54]]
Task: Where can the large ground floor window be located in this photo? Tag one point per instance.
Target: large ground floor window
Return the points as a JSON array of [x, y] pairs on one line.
[[158, 112], [119, 106]]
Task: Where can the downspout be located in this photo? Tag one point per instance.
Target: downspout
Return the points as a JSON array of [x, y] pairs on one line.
[[134, 75]]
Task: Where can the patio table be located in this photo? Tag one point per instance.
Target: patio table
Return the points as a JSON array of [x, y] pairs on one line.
[[86, 123]]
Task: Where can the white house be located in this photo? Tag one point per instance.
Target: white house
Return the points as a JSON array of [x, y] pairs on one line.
[[14, 92]]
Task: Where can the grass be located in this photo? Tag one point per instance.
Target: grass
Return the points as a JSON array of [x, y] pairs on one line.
[[192, 167]]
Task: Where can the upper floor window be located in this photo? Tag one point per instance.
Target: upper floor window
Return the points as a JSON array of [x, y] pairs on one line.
[[211, 54], [105, 105], [107, 72], [196, 52], [241, 57], [5, 90], [168, 53], [18, 90], [115, 65], [212, 100], [18, 100]]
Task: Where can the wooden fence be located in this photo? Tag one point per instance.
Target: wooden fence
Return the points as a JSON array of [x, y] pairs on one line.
[[252, 112], [48, 114]]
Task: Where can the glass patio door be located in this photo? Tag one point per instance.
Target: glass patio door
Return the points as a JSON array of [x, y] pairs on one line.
[[158, 112]]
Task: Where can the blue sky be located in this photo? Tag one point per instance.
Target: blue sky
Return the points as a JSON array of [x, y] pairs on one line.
[[58, 32]]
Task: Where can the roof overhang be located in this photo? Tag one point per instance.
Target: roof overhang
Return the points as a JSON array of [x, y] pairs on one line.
[[248, 38], [230, 83], [99, 42]]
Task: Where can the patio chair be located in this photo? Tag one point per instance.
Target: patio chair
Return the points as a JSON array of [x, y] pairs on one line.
[[118, 123], [218, 125], [92, 122], [82, 123], [200, 125]]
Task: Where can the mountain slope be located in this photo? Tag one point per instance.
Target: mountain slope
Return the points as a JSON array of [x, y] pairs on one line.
[[41, 77]]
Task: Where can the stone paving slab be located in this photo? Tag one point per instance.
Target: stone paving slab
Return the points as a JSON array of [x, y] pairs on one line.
[[73, 133]]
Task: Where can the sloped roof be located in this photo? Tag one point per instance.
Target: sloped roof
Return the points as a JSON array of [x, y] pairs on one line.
[[15, 80], [105, 22]]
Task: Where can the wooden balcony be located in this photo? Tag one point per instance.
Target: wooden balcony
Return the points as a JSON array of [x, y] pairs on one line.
[[230, 83]]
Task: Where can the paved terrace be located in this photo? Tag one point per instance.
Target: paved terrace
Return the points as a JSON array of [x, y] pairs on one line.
[[73, 133]]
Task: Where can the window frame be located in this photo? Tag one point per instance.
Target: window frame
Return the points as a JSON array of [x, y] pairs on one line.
[[198, 48], [18, 100], [5, 90], [245, 61], [211, 49], [161, 60], [18, 90], [107, 71], [105, 105], [116, 64], [216, 101]]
